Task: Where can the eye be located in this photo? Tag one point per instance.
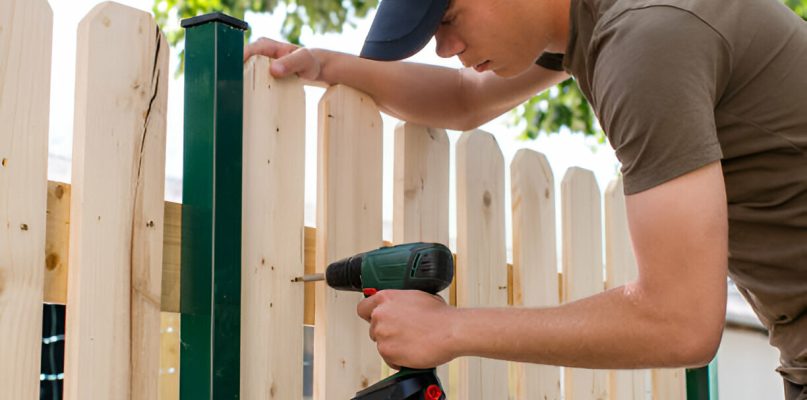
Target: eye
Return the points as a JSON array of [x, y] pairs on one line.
[[448, 19]]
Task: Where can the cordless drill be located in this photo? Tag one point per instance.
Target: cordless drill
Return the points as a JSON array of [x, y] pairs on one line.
[[413, 266]]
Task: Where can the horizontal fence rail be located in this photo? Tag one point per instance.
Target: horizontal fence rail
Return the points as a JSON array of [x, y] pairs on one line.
[[110, 247]]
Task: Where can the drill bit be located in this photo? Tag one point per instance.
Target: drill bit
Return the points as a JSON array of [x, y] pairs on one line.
[[309, 278]]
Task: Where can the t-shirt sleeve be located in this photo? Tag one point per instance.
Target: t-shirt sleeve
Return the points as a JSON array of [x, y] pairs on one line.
[[659, 74]]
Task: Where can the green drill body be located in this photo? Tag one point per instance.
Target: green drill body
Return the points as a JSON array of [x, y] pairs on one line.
[[413, 266]]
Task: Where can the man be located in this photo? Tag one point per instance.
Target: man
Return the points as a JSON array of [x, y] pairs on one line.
[[705, 103]]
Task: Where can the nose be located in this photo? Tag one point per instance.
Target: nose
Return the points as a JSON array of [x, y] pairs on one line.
[[448, 43]]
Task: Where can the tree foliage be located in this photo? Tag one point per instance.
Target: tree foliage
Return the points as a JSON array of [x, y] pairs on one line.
[[561, 107]]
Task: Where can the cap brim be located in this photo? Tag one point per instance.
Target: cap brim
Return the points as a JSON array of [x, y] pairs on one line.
[[401, 28]]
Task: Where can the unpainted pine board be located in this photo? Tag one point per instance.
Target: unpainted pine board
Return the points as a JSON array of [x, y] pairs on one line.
[[172, 252], [348, 222], [582, 267], [620, 268], [481, 255], [57, 241], [169, 356], [272, 235], [669, 384], [310, 259], [26, 28], [116, 217], [535, 267], [420, 192]]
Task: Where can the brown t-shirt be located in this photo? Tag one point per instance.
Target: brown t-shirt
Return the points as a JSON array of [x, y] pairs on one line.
[[677, 84]]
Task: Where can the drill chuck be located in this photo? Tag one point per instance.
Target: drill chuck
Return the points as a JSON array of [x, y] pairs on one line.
[[345, 274]]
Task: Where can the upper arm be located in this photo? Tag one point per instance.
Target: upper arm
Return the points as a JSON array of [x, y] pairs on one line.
[[660, 72], [486, 96], [679, 231]]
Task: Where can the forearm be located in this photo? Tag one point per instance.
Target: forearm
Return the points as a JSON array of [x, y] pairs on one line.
[[430, 95], [618, 329], [419, 93]]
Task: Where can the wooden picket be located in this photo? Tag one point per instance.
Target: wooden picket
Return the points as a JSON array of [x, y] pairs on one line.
[[348, 222], [669, 383], [25, 59], [481, 258], [535, 266], [420, 192], [582, 266], [116, 216], [620, 268], [273, 232]]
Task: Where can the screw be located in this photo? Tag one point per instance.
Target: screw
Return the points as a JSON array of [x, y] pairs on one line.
[[150, 224], [24, 227]]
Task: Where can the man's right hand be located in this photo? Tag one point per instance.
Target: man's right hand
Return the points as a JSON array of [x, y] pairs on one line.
[[289, 59]]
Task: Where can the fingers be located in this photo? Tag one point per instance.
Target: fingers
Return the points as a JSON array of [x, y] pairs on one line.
[[269, 48], [300, 61], [365, 307], [288, 58]]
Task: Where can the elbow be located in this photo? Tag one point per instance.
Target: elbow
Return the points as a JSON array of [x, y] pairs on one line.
[[469, 119], [698, 341]]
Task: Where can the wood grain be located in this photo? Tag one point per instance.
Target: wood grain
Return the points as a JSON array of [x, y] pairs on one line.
[[272, 235], [116, 218], [57, 242], [348, 222], [535, 266], [481, 257], [582, 267], [420, 192], [620, 268], [25, 58]]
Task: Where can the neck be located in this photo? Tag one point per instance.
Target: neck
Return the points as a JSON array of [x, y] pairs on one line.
[[559, 33]]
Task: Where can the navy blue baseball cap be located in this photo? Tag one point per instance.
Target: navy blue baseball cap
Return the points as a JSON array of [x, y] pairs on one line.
[[401, 28]]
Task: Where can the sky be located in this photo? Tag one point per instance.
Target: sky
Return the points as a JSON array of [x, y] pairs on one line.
[[562, 150]]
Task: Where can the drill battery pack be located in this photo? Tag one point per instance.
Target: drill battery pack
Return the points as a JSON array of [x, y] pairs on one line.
[[405, 385]]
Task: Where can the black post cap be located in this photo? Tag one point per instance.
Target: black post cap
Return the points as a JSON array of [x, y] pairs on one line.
[[215, 17]]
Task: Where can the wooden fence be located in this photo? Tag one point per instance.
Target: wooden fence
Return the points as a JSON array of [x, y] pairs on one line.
[[108, 245]]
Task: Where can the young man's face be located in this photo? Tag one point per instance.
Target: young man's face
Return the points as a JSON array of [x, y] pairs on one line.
[[503, 36]]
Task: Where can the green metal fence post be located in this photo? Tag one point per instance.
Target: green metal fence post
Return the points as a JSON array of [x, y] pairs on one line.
[[702, 382], [210, 288]]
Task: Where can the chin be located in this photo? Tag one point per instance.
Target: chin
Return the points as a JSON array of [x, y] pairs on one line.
[[505, 72]]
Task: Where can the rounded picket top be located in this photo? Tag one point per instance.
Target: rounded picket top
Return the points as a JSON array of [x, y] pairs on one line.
[[526, 161], [343, 104], [479, 147], [581, 181], [26, 15], [117, 18]]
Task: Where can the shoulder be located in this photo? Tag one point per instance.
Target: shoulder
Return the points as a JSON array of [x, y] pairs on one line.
[[654, 26]]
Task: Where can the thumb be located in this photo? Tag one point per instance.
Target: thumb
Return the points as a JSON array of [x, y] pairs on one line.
[[301, 62]]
